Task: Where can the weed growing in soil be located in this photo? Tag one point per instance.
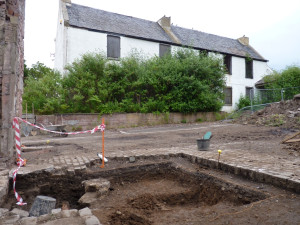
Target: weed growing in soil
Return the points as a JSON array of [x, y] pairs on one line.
[[275, 120]]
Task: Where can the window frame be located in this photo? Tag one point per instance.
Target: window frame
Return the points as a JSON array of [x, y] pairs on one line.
[[249, 68], [111, 52], [226, 96], [164, 52], [248, 91], [227, 61]]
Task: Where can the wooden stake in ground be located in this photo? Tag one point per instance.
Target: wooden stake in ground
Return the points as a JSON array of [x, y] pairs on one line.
[[285, 140]]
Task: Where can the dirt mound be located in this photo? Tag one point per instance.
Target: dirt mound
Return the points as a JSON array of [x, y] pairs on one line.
[[285, 114]]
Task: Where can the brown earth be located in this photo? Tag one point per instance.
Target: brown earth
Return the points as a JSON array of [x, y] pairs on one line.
[[171, 191], [170, 198], [285, 114]]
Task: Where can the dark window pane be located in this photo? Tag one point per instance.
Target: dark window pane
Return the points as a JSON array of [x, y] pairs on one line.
[[164, 49], [249, 68], [113, 47], [227, 63], [248, 90], [228, 96]]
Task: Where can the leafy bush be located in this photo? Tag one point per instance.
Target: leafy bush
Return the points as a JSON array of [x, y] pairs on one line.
[[287, 79], [243, 102], [182, 82], [42, 88]]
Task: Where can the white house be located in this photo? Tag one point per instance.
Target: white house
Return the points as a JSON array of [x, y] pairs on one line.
[[81, 29]]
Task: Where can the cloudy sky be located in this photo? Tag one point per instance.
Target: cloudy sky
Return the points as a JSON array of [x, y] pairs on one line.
[[273, 26]]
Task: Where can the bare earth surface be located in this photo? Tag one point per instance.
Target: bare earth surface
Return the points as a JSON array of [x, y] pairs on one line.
[[247, 139], [167, 198]]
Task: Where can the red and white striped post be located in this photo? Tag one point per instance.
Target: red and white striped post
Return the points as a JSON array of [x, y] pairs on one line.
[[20, 161]]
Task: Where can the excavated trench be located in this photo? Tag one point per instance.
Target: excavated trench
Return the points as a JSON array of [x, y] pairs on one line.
[[139, 193]]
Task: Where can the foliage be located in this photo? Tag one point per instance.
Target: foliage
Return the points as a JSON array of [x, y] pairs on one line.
[[243, 102], [83, 86], [37, 71], [185, 81], [42, 88], [287, 79]]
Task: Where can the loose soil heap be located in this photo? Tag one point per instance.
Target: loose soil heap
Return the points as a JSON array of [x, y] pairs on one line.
[[285, 114]]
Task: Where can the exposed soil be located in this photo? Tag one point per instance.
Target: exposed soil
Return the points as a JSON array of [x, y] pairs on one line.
[[285, 114], [169, 192], [167, 195]]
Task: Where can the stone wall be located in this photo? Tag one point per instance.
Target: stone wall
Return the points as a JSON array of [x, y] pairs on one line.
[[122, 120], [12, 13]]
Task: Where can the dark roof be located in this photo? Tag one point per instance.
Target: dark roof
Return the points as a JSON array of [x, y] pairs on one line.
[[103, 21]]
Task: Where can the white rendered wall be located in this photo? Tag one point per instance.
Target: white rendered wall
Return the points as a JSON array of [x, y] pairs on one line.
[[80, 41], [131, 45], [238, 80], [59, 42], [72, 43]]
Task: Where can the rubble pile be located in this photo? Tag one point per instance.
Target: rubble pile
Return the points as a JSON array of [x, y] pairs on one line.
[[285, 114]]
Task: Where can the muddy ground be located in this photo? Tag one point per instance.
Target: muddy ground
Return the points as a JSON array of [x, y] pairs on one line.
[[250, 138], [170, 198], [172, 191]]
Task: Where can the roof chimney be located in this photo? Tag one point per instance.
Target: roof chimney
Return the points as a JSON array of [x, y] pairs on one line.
[[244, 40], [165, 23]]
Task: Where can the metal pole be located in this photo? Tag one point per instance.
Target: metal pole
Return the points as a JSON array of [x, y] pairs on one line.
[[251, 98], [282, 90]]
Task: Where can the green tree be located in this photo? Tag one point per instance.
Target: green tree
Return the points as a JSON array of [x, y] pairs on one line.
[[289, 79], [84, 85], [43, 90]]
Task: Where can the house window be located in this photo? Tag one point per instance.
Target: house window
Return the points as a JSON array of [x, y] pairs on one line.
[[227, 63], [228, 96], [113, 47], [164, 50], [249, 68], [248, 91]]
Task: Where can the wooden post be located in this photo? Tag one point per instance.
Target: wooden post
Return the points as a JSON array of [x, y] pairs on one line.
[[102, 166]]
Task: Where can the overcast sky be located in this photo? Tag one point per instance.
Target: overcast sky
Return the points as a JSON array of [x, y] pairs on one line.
[[273, 26]]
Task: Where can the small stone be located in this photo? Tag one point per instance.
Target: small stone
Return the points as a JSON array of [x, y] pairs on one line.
[[4, 172], [95, 185], [28, 221], [132, 159], [42, 205], [55, 211], [8, 220], [65, 205], [85, 212], [118, 212], [88, 198], [3, 211], [44, 218], [65, 213], [20, 212], [92, 220], [73, 212]]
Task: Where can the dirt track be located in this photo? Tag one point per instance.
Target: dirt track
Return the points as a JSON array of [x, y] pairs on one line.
[[136, 200], [248, 138]]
